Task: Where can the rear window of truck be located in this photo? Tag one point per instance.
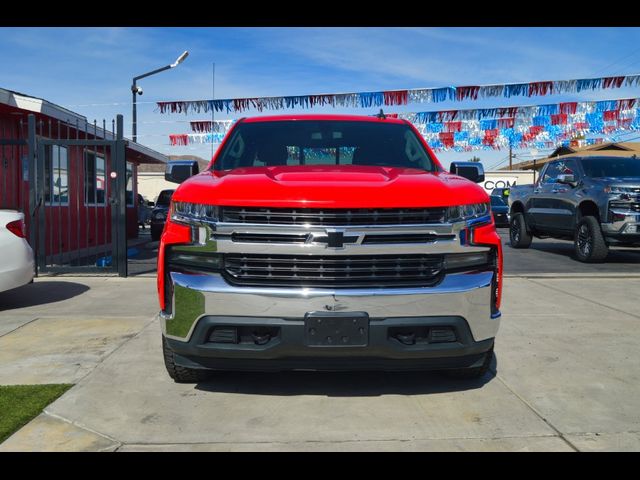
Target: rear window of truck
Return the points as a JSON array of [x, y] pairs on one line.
[[323, 142], [602, 167]]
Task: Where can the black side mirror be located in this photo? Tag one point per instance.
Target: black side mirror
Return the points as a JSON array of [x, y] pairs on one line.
[[179, 170], [470, 170], [567, 179], [151, 204]]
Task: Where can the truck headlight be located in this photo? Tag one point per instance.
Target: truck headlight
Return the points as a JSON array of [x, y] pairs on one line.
[[461, 213], [616, 190], [160, 216], [193, 213]]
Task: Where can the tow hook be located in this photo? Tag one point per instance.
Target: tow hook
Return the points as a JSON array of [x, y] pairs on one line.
[[261, 339], [407, 339]]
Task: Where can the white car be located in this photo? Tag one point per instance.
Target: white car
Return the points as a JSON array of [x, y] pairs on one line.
[[16, 256]]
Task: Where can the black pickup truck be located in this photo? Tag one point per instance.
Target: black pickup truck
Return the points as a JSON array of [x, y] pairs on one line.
[[594, 201]]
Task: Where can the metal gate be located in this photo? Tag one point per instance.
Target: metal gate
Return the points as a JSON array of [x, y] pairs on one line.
[[70, 181], [79, 200]]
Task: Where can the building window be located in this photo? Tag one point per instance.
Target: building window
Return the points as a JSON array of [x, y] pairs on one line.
[[129, 191], [94, 179], [56, 173]]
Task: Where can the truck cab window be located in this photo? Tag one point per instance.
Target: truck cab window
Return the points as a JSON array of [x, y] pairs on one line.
[[324, 142], [551, 173]]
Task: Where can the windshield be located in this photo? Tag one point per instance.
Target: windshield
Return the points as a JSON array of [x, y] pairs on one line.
[[611, 167], [323, 142], [497, 201], [165, 197]]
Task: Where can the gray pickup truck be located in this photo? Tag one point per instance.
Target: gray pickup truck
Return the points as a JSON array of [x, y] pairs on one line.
[[594, 201]]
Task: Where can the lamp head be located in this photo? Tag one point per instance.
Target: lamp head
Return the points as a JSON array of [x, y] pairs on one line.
[[180, 59]]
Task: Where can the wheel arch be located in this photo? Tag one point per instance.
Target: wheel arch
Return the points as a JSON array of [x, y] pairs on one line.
[[587, 208], [517, 207]]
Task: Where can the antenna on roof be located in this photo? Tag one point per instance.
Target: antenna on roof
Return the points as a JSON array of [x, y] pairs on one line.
[[381, 115]]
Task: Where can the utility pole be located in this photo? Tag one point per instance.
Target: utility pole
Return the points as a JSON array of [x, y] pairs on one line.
[[213, 97], [510, 157]]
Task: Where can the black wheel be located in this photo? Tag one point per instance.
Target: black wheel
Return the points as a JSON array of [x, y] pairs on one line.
[[181, 374], [472, 373], [589, 243], [518, 235], [156, 233]]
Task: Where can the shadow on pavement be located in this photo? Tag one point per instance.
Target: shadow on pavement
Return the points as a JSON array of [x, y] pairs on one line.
[[145, 261], [566, 249], [40, 293], [341, 384]]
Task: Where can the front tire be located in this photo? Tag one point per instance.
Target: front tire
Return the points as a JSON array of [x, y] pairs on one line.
[[156, 233], [589, 243], [519, 237], [178, 373]]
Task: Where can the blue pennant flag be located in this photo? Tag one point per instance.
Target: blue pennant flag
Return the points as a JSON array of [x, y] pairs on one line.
[[426, 117], [541, 121], [488, 124], [443, 94], [548, 109]]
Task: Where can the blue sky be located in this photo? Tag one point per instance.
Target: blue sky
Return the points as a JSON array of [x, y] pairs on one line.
[[89, 70]]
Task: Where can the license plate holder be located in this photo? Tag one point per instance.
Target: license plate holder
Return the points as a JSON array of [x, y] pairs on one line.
[[336, 329]]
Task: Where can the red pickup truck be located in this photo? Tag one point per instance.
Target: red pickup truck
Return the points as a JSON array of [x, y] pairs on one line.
[[328, 242]]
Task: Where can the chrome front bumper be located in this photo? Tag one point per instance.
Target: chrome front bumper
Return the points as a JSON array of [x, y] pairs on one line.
[[621, 226], [195, 296]]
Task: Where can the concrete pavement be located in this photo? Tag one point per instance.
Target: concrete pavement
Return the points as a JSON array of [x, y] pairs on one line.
[[57, 330], [566, 378], [553, 257]]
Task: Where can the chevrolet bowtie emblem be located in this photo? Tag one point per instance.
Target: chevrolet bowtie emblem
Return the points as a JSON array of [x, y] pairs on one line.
[[335, 238]]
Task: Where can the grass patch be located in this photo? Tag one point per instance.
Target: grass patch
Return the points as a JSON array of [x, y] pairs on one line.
[[19, 404]]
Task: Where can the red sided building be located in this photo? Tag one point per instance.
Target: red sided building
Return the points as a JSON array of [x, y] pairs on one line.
[[60, 171]]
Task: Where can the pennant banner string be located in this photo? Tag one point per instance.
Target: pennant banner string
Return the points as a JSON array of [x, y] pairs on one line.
[[400, 97], [519, 111], [463, 130]]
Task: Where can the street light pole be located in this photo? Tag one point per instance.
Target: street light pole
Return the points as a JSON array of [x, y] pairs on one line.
[[136, 90]]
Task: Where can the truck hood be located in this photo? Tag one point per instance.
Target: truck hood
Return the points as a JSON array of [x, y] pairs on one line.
[[622, 181], [345, 186]]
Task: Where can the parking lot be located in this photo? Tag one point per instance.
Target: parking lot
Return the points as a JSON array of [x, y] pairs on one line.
[[566, 375], [550, 257]]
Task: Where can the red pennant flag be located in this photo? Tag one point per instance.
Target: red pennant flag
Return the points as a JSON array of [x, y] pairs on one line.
[[463, 93], [453, 126], [611, 115], [559, 119], [568, 107], [612, 82], [446, 138], [398, 97], [540, 88]]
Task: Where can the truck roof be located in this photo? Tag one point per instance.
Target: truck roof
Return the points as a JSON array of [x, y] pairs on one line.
[[349, 118]]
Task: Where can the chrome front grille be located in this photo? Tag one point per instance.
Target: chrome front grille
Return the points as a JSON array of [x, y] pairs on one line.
[[331, 271], [373, 239], [332, 217], [341, 248], [269, 237], [631, 206], [361, 238]]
